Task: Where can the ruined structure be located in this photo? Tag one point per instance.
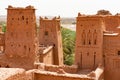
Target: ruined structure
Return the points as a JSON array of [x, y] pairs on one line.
[[90, 41], [40, 56], [112, 22], [98, 44], [50, 35], [20, 34]]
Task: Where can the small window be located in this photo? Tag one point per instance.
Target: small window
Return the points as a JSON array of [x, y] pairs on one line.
[[54, 45], [94, 53], [88, 54], [26, 18], [22, 17], [26, 22], [119, 53], [46, 33], [11, 45], [89, 42], [25, 47], [29, 49]]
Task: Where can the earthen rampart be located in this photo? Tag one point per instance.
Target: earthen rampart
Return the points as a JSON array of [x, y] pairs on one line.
[[55, 68]]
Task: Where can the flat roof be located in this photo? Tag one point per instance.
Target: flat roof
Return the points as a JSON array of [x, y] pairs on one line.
[[6, 73]]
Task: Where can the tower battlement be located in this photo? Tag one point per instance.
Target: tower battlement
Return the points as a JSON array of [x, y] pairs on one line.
[[27, 7]]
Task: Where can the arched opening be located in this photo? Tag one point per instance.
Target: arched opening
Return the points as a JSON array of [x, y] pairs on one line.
[[81, 59], [87, 53], [95, 37], [83, 37], [29, 49], [22, 17], [25, 49], [94, 58], [89, 38]]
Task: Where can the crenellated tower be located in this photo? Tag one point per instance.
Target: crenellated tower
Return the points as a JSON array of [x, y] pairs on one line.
[[20, 35], [50, 34]]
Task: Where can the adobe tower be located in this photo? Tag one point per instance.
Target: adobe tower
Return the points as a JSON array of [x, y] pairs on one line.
[[20, 35], [89, 41], [50, 34]]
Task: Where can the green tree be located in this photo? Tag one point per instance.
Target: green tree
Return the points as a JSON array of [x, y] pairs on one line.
[[3, 24], [68, 40], [3, 27]]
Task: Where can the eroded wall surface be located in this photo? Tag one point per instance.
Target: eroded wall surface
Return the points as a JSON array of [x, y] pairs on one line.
[[112, 56], [89, 41], [12, 74], [112, 22], [20, 37], [54, 76], [50, 34]]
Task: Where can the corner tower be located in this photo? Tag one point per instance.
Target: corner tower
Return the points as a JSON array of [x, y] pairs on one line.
[[50, 34], [20, 35], [89, 41]]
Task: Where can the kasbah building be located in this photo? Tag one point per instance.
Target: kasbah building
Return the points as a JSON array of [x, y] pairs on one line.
[[26, 55]]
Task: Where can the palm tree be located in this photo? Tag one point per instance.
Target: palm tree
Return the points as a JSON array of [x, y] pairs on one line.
[[68, 40]]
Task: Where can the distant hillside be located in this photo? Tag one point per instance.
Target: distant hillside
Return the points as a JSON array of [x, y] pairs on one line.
[[3, 18], [68, 21], [63, 20]]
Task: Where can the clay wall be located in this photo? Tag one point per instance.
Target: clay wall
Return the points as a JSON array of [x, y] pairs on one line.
[[68, 69], [46, 55], [20, 31], [50, 34], [20, 35], [111, 50], [88, 53], [29, 75], [55, 76], [55, 68], [17, 77], [111, 23], [12, 74]]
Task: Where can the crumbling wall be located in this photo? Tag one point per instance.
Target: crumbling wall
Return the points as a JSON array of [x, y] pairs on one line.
[[46, 55], [111, 23], [55, 68], [55, 76], [29, 75], [12, 74], [17, 77], [49, 34], [111, 51]]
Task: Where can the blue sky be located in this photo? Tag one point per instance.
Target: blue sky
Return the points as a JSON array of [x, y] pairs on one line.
[[64, 8]]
